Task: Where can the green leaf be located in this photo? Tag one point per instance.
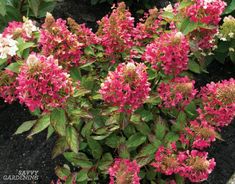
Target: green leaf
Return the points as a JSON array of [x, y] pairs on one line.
[[82, 175], [160, 130], [168, 15], [230, 8], [45, 7], [113, 141], [14, 67], [62, 172], [135, 140], [78, 159], [145, 115], [2, 61], [34, 5], [184, 4], [123, 151], [41, 124], [70, 178], [23, 46], [3, 8], [143, 128], [89, 51], [105, 162], [171, 137], [194, 66], [187, 26], [26, 126], [95, 147], [50, 131], [72, 138], [60, 147], [58, 121], [75, 73]]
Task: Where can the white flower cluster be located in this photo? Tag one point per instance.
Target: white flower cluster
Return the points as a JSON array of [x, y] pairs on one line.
[[8, 46], [29, 27]]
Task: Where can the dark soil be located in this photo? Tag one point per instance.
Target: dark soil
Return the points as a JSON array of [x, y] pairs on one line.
[[18, 153]]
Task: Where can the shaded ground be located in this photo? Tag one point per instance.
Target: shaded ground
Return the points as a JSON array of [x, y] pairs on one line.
[[18, 153]]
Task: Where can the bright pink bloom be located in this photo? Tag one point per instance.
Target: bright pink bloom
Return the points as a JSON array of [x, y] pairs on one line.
[[20, 29], [201, 134], [177, 93], [169, 52], [149, 27], [166, 161], [8, 86], [195, 166], [124, 171], [206, 11], [116, 32], [218, 100], [57, 40], [84, 34], [127, 87], [43, 84]]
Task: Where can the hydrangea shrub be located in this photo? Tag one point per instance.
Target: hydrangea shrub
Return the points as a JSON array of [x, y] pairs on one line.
[[121, 101]]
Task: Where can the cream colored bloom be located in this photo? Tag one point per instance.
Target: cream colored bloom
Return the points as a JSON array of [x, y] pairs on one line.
[[8, 46]]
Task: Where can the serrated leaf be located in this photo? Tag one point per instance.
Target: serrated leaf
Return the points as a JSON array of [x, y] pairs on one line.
[[26, 126], [171, 137], [78, 159], [72, 138], [143, 128], [123, 151], [3, 8], [34, 5], [105, 162], [187, 26], [113, 141], [230, 8], [160, 130], [14, 67], [184, 4], [135, 140], [194, 66], [82, 175], [50, 131], [95, 147], [58, 121], [60, 147], [62, 172], [41, 124]]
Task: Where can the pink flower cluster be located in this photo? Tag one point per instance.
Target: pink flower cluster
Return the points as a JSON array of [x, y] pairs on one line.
[[127, 87], [20, 29], [193, 165], [42, 83], [166, 161], [149, 27], [8, 86], [218, 103], [201, 134], [169, 52], [123, 171], [84, 34], [57, 40], [206, 11], [177, 93], [116, 32]]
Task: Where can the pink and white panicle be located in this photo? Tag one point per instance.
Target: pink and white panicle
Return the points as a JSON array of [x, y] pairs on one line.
[[218, 103], [8, 86], [43, 84], [168, 52], [127, 87], [116, 32], [166, 161], [24, 29], [57, 40], [177, 93], [123, 171], [195, 166], [206, 11], [201, 133], [8, 46]]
